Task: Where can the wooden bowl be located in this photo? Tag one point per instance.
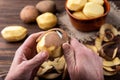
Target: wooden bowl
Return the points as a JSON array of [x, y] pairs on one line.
[[88, 24]]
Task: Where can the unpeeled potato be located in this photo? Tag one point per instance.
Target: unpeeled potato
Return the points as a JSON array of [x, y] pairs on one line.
[[29, 14], [46, 6]]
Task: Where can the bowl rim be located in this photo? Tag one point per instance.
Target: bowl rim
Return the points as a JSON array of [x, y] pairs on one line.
[[106, 11]]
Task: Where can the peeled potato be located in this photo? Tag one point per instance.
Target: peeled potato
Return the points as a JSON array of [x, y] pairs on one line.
[[101, 2], [46, 20], [75, 5], [93, 10], [14, 33], [80, 15], [52, 41]]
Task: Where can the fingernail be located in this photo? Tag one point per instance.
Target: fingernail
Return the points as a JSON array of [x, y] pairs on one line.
[[66, 46], [45, 55]]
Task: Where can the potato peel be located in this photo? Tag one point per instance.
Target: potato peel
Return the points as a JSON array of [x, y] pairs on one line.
[[93, 48], [108, 69], [103, 54], [115, 53], [107, 37], [105, 27], [98, 43], [46, 69]]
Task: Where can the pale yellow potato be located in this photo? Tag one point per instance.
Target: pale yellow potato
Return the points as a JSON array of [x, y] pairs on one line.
[[14, 33], [93, 10], [46, 20], [101, 2], [79, 15], [76, 5]]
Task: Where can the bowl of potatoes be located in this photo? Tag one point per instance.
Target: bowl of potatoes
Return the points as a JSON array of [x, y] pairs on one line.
[[87, 15]]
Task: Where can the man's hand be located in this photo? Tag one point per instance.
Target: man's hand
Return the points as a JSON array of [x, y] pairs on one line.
[[26, 62], [82, 63]]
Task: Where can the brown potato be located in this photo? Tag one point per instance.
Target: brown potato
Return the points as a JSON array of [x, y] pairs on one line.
[[29, 14], [52, 41], [46, 6]]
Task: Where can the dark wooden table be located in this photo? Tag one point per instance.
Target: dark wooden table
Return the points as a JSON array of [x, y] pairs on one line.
[[9, 15]]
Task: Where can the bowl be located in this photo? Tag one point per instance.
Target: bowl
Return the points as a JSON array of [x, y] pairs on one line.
[[88, 24]]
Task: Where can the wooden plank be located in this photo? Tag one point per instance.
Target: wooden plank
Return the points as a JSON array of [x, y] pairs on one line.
[[9, 15]]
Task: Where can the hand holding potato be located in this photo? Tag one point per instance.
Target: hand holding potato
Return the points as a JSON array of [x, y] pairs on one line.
[[26, 62], [82, 63], [51, 41]]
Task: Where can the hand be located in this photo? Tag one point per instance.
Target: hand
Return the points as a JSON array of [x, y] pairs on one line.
[[26, 62], [82, 63]]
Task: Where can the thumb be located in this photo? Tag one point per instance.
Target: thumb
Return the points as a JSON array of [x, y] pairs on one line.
[[38, 59], [69, 54]]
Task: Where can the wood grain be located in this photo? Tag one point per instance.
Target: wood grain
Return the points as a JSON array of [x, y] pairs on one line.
[[9, 15]]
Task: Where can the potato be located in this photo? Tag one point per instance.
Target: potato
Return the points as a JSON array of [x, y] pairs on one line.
[[46, 6], [101, 2], [80, 15], [29, 14], [14, 33], [93, 10], [46, 20], [52, 41], [75, 5]]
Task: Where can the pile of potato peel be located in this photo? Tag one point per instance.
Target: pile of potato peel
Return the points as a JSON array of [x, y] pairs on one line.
[[107, 46], [53, 69]]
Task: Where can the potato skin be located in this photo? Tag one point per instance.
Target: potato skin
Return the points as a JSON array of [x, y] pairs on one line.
[[29, 14], [46, 6]]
